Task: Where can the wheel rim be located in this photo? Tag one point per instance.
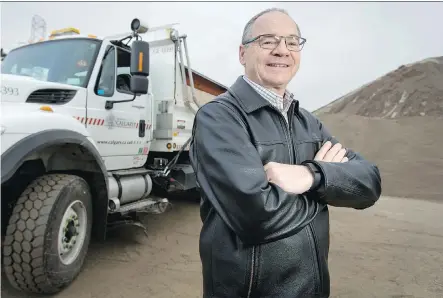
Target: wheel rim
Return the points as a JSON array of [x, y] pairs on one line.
[[72, 232]]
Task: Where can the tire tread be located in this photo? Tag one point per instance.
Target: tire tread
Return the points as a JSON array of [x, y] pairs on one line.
[[23, 250]]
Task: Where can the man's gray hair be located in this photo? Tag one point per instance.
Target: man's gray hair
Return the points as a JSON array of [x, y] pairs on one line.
[[247, 32]]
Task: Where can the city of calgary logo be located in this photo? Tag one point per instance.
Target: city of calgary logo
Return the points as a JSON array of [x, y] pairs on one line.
[[112, 121]]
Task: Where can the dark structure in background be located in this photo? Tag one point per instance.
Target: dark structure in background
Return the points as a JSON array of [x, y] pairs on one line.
[[3, 54], [205, 88]]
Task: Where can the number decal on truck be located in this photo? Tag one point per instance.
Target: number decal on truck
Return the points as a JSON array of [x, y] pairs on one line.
[[162, 50], [9, 91]]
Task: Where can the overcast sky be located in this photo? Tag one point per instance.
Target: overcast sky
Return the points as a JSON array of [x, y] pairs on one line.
[[349, 44]]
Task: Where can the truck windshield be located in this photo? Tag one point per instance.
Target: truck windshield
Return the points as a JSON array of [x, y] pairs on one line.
[[66, 61]]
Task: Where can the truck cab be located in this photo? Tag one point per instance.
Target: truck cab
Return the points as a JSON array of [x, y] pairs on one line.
[[79, 75], [94, 131]]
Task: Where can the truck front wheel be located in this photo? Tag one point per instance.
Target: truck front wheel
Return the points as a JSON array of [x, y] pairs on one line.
[[48, 234]]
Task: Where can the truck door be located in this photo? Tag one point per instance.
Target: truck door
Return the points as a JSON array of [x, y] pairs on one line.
[[117, 131]]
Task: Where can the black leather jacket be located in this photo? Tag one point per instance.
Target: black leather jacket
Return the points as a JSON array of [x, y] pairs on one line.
[[257, 240]]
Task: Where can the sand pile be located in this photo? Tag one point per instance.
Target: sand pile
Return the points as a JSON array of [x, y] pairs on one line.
[[397, 121]]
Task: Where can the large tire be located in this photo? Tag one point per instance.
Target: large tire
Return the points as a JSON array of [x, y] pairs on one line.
[[33, 243]]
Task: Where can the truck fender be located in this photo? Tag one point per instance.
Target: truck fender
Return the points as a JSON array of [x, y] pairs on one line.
[[14, 156]]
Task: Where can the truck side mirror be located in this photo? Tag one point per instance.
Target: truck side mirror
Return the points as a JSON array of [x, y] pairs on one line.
[[139, 67]]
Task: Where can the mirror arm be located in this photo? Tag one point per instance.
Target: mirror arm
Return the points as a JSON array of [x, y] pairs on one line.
[[110, 104]]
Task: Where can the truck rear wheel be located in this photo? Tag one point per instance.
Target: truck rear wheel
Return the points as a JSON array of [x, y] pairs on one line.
[[48, 234]]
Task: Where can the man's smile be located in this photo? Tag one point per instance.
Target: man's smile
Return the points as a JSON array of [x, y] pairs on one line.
[[277, 65]]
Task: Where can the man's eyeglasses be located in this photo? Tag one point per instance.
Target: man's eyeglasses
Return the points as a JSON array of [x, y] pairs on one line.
[[270, 42]]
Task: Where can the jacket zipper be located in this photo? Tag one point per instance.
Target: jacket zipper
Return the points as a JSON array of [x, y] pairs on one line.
[[310, 228], [316, 255], [287, 131], [252, 272]]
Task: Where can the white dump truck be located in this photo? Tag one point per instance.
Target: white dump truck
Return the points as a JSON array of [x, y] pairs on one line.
[[93, 132]]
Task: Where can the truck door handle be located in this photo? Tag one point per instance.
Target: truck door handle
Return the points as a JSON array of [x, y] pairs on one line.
[[141, 128]]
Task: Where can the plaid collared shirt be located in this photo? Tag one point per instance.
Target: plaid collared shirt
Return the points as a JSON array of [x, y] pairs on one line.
[[281, 103]]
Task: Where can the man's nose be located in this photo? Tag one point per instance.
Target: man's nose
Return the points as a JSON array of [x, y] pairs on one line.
[[281, 49]]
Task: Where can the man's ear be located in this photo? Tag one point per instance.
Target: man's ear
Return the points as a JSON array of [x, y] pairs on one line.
[[241, 55]]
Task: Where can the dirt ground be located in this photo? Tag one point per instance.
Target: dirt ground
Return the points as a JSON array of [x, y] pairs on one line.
[[392, 250]]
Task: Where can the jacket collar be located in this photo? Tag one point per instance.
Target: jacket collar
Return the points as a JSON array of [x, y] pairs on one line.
[[248, 98]]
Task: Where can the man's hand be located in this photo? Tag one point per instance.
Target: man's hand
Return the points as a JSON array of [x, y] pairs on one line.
[[331, 153], [293, 179]]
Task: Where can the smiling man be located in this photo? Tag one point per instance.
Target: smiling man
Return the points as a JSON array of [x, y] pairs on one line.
[[267, 170]]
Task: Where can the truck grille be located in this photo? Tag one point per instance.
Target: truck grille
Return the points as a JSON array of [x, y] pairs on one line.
[[55, 96]]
